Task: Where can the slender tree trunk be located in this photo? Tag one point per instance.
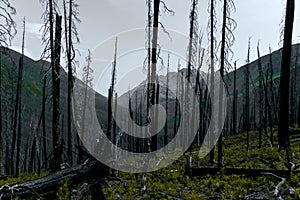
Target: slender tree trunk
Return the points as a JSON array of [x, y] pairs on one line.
[[1, 142], [68, 35], [298, 112], [212, 69], [274, 104], [247, 99], [7, 163], [187, 103], [85, 100], [57, 151], [114, 128], [261, 101], [44, 122], [268, 110], [234, 102], [283, 129], [220, 117], [157, 102], [167, 103], [176, 103], [148, 141], [21, 65], [109, 113], [153, 144]]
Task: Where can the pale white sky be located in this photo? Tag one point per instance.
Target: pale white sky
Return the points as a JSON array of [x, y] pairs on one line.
[[101, 19]]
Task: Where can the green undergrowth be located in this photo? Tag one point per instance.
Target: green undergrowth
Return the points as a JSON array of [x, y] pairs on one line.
[[172, 183], [21, 178]]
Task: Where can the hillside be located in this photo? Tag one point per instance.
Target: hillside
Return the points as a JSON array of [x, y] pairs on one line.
[[32, 101]]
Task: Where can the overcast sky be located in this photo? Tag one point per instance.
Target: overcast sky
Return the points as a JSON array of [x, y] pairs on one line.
[[101, 19]]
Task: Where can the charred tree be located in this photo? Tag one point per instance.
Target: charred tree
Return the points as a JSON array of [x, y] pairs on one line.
[[1, 142], [87, 79], [71, 34], [283, 129], [19, 134], [273, 97], [57, 151], [223, 41], [234, 102], [247, 98], [45, 157], [167, 103], [154, 45], [212, 41], [111, 91], [17, 117], [227, 40]]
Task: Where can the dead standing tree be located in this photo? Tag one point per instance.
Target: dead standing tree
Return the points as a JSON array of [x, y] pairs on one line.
[[153, 55], [227, 39], [71, 34], [52, 32], [7, 33], [154, 45], [234, 103], [87, 79], [191, 63], [57, 149], [212, 54], [247, 93], [283, 130], [109, 132], [20, 84]]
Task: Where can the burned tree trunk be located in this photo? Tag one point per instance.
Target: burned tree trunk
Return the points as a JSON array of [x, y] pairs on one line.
[[21, 66], [283, 130], [234, 103], [167, 103], [247, 98], [220, 141], [44, 122], [57, 151], [156, 3], [91, 171]]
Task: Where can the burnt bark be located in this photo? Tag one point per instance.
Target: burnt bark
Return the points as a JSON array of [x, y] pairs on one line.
[[283, 130]]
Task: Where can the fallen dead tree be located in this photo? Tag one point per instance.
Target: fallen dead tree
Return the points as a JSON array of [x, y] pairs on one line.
[[278, 187], [90, 171]]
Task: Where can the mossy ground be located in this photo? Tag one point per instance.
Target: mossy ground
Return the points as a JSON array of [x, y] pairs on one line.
[[172, 183]]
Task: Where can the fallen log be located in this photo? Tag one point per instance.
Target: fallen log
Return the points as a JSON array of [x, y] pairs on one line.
[[90, 171]]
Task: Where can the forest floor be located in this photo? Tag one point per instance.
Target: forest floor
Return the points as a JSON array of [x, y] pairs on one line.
[[173, 183]]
